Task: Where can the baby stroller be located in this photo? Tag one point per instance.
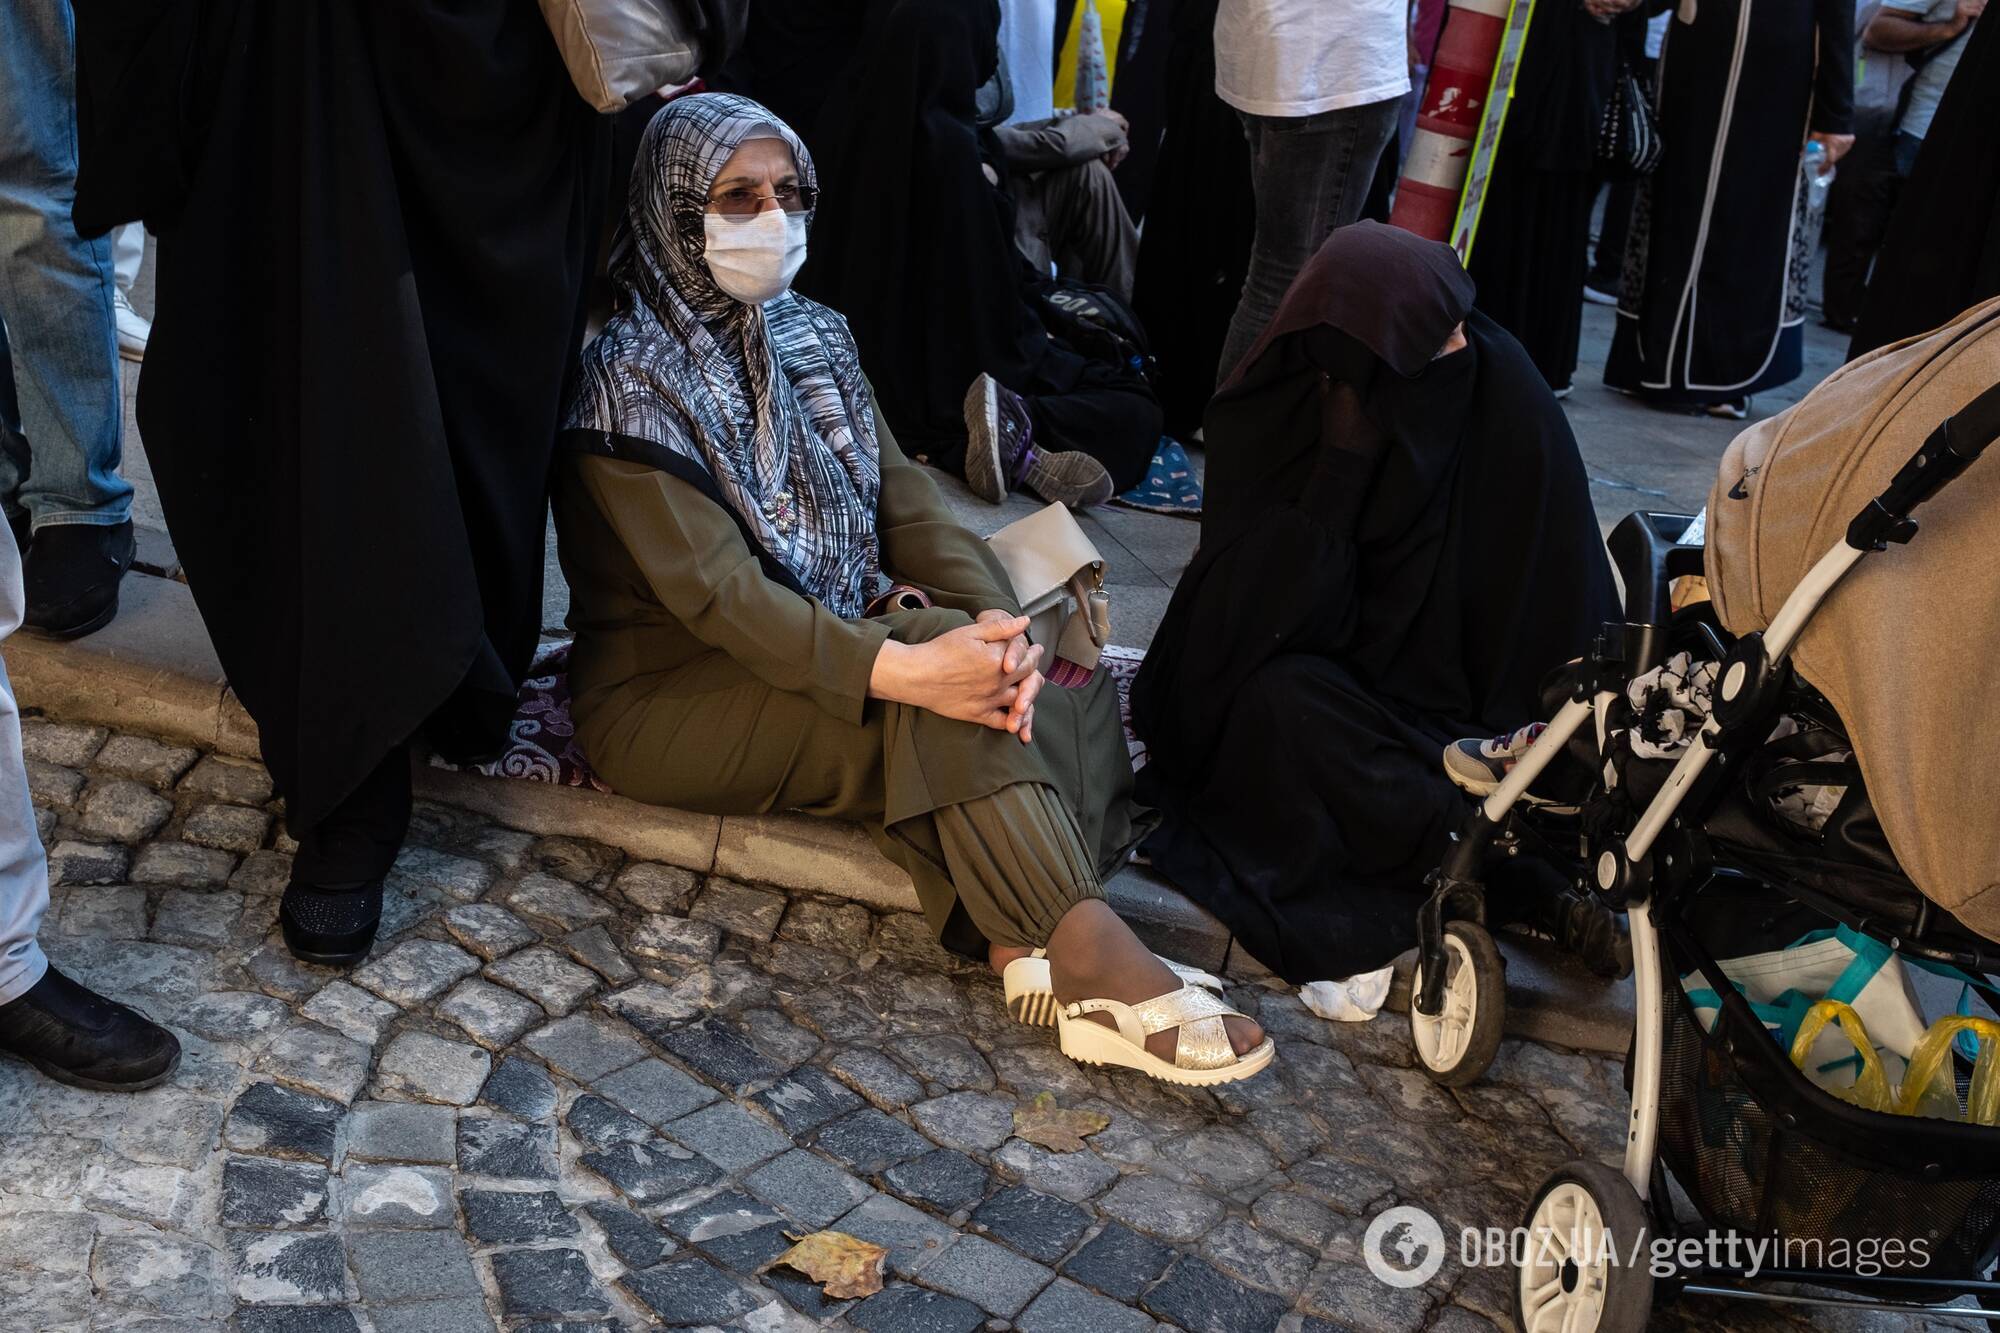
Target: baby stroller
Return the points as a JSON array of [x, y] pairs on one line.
[[1757, 1148]]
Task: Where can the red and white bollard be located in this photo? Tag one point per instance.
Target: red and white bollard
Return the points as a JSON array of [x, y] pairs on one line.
[[1448, 122]]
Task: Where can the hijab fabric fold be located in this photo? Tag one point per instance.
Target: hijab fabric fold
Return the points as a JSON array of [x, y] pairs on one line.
[[768, 401]]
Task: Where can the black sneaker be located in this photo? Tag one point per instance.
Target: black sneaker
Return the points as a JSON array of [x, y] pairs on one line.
[[72, 571], [78, 1037]]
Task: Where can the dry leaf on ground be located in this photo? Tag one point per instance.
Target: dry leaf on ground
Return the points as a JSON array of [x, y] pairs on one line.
[[1047, 1125], [846, 1267]]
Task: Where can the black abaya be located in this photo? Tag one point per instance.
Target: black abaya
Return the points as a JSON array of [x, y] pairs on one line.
[[1395, 551], [368, 301]]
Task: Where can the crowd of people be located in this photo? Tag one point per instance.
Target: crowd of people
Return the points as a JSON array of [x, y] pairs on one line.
[[882, 237]]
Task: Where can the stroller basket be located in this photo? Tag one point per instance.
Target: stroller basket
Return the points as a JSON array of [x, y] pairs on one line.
[[1761, 1150]]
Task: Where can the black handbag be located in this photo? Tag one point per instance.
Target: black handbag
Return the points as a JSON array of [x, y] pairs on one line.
[[1628, 141]]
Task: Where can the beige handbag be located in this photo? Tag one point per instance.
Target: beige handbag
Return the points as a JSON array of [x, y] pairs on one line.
[[618, 51], [1058, 579]]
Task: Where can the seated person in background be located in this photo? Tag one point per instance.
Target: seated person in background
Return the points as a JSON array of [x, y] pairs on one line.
[[1397, 544], [915, 246], [727, 503]]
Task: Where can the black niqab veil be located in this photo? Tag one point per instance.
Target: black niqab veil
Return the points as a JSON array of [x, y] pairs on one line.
[[911, 243], [1397, 546]]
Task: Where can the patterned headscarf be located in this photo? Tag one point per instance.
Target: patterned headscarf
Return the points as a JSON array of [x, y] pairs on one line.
[[768, 400]]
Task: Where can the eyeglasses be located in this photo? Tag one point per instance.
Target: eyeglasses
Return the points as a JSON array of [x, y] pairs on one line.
[[743, 202]]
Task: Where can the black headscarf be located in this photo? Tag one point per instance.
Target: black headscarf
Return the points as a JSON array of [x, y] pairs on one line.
[[912, 243], [1396, 547]]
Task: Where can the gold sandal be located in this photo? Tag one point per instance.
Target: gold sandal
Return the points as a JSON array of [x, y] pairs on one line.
[[1203, 1056], [1031, 994]]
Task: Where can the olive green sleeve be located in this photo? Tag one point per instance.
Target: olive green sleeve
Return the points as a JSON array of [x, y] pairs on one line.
[[925, 546], [705, 574]]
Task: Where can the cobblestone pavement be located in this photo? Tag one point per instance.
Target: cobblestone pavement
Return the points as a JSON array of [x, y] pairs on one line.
[[572, 1092]]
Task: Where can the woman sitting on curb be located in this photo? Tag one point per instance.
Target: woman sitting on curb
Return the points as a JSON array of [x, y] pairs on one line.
[[728, 504]]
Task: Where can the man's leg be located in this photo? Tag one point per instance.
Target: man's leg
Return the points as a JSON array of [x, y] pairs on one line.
[[1309, 174], [56, 297], [24, 871], [1089, 231], [128, 255], [1858, 209]]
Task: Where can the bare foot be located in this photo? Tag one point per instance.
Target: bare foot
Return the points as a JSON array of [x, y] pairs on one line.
[[1093, 955]]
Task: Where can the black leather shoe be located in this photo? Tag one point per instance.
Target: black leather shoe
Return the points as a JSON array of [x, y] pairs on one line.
[[330, 924], [72, 572], [76, 1036]]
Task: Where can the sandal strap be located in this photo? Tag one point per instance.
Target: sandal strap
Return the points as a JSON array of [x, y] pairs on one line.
[[1202, 1043]]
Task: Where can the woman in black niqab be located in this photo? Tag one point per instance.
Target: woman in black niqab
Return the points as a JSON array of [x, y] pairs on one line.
[[915, 246], [1398, 545]]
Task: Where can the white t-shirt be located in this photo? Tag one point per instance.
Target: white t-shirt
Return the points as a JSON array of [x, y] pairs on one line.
[[1028, 37], [1927, 87], [1302, 57]]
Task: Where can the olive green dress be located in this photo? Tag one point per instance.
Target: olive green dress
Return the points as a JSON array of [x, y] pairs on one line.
[[701, 683]]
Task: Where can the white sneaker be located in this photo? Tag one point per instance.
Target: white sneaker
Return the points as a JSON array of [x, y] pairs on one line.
[[1598, 297], [134, 329]]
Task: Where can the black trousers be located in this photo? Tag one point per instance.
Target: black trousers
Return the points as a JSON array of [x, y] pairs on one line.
[[358, 840], [1858, 209]]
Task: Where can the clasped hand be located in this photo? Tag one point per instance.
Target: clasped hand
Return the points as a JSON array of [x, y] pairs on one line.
[[986, 672]]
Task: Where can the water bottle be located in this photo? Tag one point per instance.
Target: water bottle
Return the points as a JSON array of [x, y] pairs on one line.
[[1819, 176]]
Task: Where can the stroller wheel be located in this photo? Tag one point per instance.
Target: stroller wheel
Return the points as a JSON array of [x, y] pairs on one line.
[[1457, 1044], [1585, 1265]]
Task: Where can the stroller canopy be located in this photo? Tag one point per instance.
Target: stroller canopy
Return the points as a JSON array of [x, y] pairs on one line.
[[1907, 648]]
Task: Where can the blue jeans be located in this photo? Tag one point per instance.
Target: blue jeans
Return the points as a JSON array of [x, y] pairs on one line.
[[59, 347], [1308, 174], [24, 872]]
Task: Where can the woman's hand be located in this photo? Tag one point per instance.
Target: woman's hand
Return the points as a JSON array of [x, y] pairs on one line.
[[1021, 717], [964, 673], [1836, 146]]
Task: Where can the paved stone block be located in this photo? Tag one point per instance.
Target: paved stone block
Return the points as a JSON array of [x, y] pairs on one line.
[[652, 1172], [636, 1241], [283, 1122], [350, 1011], [415, 971], [1251, 1256], [122, 811], [747, 913], [45, 827], [578, 860], [990, 1276], [968, 1121], [1038, 1225], [458, 877], [73, 862], [312, 1058], [1201, 1299], [596, 950], [729, 1136], [1068, 1308], [900, 1308], [239, 1016], [426, 1068], [510, 1217], [731, 1228], [1119, 1262], [869, 1141], [72, 744], [546, 1282], [280, 1267], [520, 1088], [947, 1059], [1345, 1187], [603, 1126], [555, 904], [262, 874], [112, 914], [52, 785], [808, 1187], [495, 1146], [231, 828], [490, 1015], [397, 1197], [546, 977], [459, 1316], [401, 1132], [1294, 1217], [300, 1319], [164, 1274], [393, 1266], [651, 1007], [150, 761], [584, 1048], [946, 1180], [203, 919], [1076, 1176], [778, 1039], [807, 1099], [914, 1240], [674, 939], [1165, 1208], [489, 931], [184, 865], [1228, 1159], [656, 1092], [163, 1196], [260, 1192], [716, 1052], [652, 887], [234, 780], [691, 1291]]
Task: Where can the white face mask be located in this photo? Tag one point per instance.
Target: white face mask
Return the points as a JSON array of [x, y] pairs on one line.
[[756, 259]]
